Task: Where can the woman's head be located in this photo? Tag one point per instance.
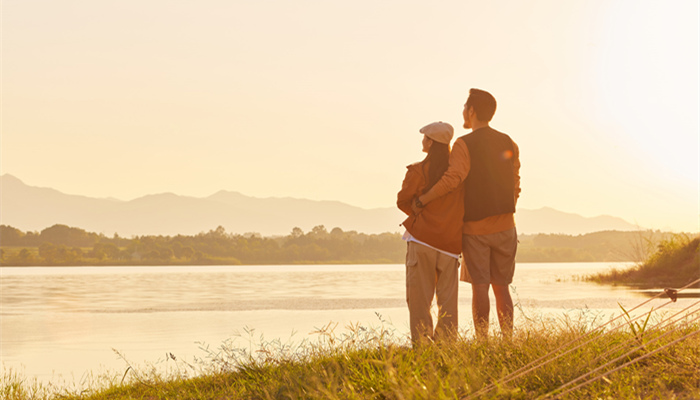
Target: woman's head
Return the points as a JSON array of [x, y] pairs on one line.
[[440, 132], [436, 142]]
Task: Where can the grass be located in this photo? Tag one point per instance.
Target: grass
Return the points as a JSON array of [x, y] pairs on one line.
[[676, 263], [377, 364]]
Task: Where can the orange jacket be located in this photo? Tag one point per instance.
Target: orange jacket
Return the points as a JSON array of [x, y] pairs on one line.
[[439, 224]]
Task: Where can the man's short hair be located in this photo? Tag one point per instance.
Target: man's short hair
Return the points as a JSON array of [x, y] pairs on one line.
[[483, 102]]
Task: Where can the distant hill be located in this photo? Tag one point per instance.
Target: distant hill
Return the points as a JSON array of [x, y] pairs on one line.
[[32, 208], [549, 220]]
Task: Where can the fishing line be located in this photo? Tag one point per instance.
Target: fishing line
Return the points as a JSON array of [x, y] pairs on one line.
[[543, 360], [623, 365], [671, 293], [651, 329]]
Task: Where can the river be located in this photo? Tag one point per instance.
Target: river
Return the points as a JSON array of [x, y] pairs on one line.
[[65, 324]]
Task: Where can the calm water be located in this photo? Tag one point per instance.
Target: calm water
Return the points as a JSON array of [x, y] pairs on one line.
[[62, 323]]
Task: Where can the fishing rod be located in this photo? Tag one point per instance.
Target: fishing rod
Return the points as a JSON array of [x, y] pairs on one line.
[[657, 326], [531, 366], [552, 393]]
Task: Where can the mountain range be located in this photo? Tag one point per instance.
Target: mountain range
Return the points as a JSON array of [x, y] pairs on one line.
[[30, 208]]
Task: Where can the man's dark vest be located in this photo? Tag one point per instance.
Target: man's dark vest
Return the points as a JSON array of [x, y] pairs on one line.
[[489, 186]]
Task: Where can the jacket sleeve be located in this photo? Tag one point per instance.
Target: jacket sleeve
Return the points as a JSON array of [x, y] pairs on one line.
[[516, 171], [409, 190]]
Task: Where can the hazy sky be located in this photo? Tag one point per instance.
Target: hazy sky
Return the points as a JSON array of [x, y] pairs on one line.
[[324, 99]]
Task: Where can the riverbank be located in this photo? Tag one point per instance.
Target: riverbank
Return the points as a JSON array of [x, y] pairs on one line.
[[658, 360], [676, 263]]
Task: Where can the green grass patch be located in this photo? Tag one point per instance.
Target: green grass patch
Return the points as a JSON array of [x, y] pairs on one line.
[[364, 363], [676, 263]]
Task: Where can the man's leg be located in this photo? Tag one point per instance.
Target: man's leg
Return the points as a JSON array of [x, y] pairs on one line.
[[480, 310], [477, 256], [504, 306], [504, 245]]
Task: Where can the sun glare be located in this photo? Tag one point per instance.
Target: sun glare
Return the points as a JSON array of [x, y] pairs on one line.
[[648, 80]]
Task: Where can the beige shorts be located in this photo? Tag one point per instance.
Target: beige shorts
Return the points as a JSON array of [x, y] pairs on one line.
[[489, 259]]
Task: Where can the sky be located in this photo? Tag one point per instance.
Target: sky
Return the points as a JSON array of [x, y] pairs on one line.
[[324, 99]]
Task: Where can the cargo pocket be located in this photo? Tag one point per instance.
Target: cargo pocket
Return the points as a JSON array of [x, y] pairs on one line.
[[411, 263]]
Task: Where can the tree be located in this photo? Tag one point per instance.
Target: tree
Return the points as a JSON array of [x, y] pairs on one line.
[[297, 232], [188, 252], [319, 230], [166, 254], [125, 254], [10, 236], [249, 235], [152, 255], [63, 234], [177, 249], [104, 250], [111, 250], [47, 251], [25, 255], [219, 232]]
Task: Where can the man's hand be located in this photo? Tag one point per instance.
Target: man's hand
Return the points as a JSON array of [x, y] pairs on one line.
[[417, 206]]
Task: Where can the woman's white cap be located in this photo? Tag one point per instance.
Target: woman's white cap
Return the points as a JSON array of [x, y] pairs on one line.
[[441, 132]]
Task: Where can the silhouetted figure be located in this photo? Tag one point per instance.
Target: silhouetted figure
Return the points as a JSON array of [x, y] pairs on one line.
[[434, 236], [486, 164]]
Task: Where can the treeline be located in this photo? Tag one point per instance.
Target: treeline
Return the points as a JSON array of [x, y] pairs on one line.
[[611, 246], [64, 245]]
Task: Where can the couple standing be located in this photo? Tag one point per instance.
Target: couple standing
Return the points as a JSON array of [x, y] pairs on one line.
[[461, 202]]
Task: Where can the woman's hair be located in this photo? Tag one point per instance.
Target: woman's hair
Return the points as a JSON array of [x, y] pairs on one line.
[[438, 159]]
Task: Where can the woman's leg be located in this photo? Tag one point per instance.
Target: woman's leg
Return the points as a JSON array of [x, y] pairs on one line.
[[420, 289], [447, 292]]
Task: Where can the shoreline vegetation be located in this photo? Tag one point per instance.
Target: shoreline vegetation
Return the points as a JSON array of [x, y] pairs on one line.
[[61, 245], [675, 264], [652, 354]]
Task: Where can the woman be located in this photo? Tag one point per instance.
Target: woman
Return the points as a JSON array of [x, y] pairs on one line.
[[434, 237]]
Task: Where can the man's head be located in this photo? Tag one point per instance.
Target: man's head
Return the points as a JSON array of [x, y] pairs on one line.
[[481, 105]]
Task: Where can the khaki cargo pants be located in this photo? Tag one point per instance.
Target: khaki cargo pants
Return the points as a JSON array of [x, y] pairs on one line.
[[429, 274]]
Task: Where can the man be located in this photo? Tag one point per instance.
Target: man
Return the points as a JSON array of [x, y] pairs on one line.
[[487, 163]]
